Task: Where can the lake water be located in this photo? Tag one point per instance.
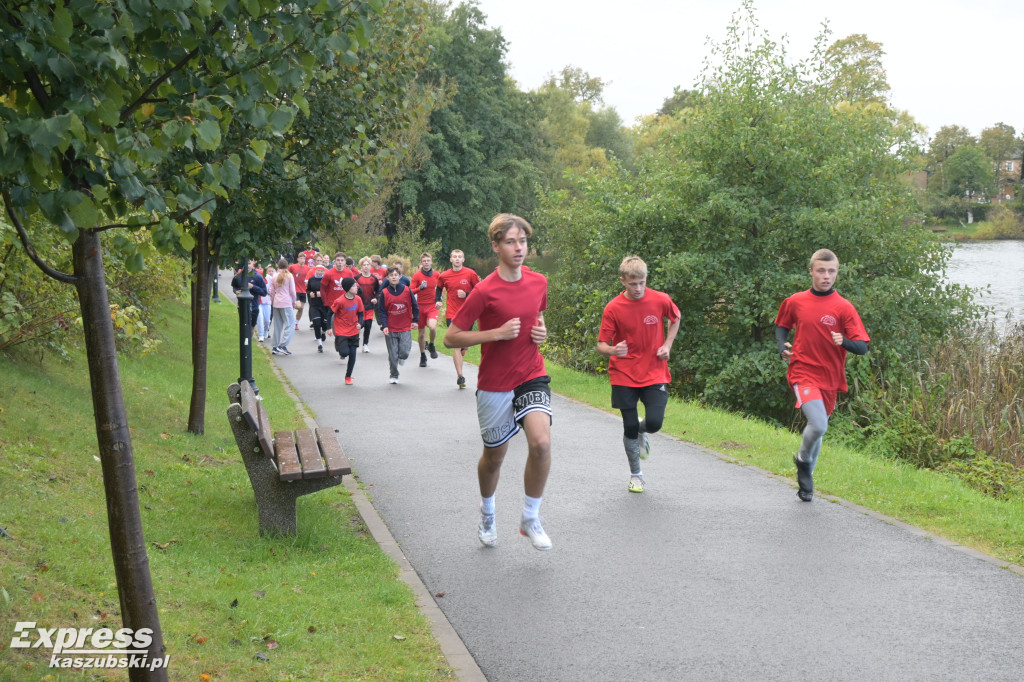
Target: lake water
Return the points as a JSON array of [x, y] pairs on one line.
[[998, 265]]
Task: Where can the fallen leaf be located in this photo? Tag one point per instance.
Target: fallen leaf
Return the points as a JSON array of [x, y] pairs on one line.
[[166, 544], [234, 604], [37, 597], [439, 594], [399, 638], [205, 677], [311, 628], [259, 594], [149, 471], [165, 435], [271, 645], [200, 640]]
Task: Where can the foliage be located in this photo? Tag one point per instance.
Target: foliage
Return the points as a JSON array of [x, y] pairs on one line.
[[859, 74], [680, 100], [347, 137], [1001, 223], [728, 204], [481, 146], [970, 173], [1000, 142]]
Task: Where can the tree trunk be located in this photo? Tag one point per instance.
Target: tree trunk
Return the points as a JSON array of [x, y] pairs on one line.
[[201, 282], [127, 542]]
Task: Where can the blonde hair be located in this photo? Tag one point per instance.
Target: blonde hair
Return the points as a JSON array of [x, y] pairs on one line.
[[282, 272], [503, 222], [823, 255], [364, 261], [633, 266]]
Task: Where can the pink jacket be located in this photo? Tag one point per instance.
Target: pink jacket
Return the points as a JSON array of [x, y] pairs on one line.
[[282, 296]]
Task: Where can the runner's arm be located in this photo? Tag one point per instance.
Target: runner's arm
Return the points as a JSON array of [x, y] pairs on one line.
[[782, 341]]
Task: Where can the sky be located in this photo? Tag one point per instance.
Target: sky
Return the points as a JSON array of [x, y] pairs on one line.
[[949, 62]]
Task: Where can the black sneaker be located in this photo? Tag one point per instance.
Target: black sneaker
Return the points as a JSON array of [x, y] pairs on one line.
[[319, 349], [804, 479], [433, 350], [423, 359], [461, 381]]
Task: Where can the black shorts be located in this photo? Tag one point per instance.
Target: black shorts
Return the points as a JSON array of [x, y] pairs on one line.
[[301, 298], [626, 397]]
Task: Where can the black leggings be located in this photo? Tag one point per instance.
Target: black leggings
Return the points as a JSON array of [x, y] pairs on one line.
[[654, 398], [367, 326], [347, 347], [318, 316]]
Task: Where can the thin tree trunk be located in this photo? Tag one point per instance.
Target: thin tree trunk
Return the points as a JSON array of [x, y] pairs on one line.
[[201, 282], [127, 542]]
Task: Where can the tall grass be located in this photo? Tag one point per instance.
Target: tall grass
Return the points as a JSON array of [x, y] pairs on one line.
[[963, 403]]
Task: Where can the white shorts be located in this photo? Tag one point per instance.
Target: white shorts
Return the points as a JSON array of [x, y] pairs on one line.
[[501, 414]]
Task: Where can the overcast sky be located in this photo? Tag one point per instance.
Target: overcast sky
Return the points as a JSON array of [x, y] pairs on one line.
[[949, 62]]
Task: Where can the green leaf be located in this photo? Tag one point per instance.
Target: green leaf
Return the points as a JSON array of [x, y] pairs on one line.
[[62, 28], [135, 263], [208, 135], [260, 147], [84, 213], [188, 242], [281, 119]]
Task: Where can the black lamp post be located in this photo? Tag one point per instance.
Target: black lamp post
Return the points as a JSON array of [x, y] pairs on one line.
[[245, 302]]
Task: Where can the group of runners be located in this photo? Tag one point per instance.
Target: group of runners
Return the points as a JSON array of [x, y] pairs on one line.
[[504, 314]]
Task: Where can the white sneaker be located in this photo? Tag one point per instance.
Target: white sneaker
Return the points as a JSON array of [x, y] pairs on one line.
[[532, 529], [394, 380], [261, 339], [645, 445], [487, 530], [636, 484], [366, 349], [401, 361]]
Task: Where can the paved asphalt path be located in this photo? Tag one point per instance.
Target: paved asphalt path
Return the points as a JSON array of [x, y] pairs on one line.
[[716, 572]]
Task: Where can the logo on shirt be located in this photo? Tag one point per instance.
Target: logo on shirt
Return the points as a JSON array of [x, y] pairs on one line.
[[829, 320], [650, 319], [398, 308]]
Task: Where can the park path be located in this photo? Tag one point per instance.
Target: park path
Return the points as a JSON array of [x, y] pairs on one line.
[[716, 572]]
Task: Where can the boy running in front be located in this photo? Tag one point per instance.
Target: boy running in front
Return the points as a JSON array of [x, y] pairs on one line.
[[397, 313], [513, 389], [424, 286], [633, 337], [827, 326], [348, 316]]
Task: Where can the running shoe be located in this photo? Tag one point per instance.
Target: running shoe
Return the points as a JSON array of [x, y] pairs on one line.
[[461, 381], [348, 381], [487, 530], [401, 361], [394, 380], [804, 479], [284, 350], [433, 350], [423, 359], [645, 445], [636, 484], [276, 351], [532, 529], [366, 349], [261, 339], [320, 349]]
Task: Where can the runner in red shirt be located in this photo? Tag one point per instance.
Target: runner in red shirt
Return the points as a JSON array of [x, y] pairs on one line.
[[455, 285], [633, 337], [397, 313], [424, 285], [369, 286], [348, 317], [513, 390], [827, 326], [331, 287], [300, 272]]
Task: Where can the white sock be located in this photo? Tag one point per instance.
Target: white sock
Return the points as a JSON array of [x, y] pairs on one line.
[[487, 505], [531, 507]]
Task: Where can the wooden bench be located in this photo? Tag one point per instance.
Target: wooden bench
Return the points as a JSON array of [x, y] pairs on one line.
[[283, 466]]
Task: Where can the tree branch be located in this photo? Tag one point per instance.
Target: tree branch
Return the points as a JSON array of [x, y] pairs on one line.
[[178, 216], [141, 99], [31, 250]]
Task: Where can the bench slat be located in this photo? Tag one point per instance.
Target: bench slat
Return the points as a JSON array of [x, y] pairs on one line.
[[309, 454], [334, 456], [250, 406], [263, 433], [287, 459]]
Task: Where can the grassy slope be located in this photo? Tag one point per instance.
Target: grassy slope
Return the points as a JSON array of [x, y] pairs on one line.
[[324, 605]]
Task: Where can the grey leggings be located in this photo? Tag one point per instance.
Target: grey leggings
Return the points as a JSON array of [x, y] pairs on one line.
[[817, 425]]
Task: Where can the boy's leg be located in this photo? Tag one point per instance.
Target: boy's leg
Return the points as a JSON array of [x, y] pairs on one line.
[[352, 342], [432, 325], [391, 339], [537, 426], [810, 446], [404, 344], [655, 399]]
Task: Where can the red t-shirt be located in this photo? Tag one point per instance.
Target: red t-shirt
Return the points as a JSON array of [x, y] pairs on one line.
[[330, 288], [816, 359], [425, 297], [641, 324], [308, 255], [348, 314], [506, 364], [301, 274], [398, 308], [368, 287], [452, 281]]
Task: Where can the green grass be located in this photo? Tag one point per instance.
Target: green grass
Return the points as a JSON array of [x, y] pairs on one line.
[[937, 502], [327, 604]]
